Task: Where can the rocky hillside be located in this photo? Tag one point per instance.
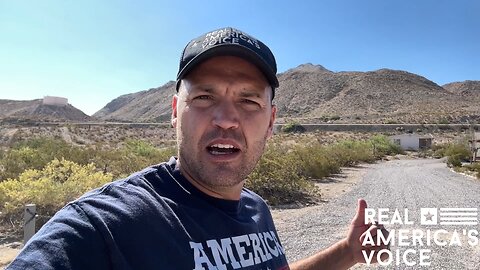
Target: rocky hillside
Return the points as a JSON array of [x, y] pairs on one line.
[[381, 96], [316, 94], [152, 105], [465, 88], [34, 110]]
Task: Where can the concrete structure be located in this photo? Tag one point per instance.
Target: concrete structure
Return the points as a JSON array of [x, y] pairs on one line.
[[424, 128], [55, 101], [412, 141], [475, 146]]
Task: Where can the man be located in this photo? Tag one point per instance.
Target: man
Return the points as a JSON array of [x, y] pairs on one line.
[[193, 212]]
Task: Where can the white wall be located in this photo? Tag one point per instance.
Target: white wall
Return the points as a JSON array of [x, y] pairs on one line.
[[408, 141], [56, 101]]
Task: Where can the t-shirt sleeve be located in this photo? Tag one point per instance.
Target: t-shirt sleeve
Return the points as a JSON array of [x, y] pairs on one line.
[[67, 241]]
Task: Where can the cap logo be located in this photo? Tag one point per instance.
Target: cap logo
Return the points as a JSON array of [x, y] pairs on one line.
[[227, 36], [228, 41]]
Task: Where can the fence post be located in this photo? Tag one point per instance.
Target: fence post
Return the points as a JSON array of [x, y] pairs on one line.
[[29, 222]]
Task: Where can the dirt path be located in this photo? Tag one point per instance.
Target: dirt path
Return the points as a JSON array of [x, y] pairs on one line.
[[7, 135], [9, 247], [66, 135], [399, 184], [330, 187], [8, 252]]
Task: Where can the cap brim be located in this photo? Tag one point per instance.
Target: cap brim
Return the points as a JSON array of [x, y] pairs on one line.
[[232, 50]]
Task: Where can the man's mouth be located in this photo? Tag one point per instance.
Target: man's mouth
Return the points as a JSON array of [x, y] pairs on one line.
[[222, 149]]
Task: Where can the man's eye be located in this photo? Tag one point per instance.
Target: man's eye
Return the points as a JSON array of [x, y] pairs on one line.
[[251, 104], [203, 97], [248, 101]]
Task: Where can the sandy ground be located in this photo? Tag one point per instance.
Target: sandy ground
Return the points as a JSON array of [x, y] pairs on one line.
[[8, 251], [330, 188]]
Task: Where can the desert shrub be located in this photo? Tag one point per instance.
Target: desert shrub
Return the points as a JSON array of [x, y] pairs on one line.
[[474, 167], [283, 173], [390, 121], [454, 161], [459, 150], [36, 153], [133, 156], [277, 177], [455, 153], [59, 182], [293, 127], [443, 121], [349, 153], [384, 146], [16, 161], [140, 148], [327, 118], [315, 161]]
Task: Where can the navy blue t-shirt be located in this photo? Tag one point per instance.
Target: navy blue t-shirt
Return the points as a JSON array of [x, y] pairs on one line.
[[156, 219]]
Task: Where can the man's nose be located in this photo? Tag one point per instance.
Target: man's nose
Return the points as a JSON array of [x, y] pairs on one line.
[[226, 116]]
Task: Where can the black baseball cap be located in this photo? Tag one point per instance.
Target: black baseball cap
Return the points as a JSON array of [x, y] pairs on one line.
[[228, 41]]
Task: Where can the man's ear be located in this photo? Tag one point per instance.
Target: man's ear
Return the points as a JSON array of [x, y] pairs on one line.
[[272, 121], [174, 110]]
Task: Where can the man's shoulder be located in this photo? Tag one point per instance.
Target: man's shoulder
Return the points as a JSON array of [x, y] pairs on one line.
[[252, 198]]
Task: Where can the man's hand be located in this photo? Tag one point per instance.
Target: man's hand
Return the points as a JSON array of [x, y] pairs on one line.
[[347, 252], [357, 233]]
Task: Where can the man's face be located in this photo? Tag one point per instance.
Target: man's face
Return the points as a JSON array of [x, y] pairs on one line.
[[223, 116]]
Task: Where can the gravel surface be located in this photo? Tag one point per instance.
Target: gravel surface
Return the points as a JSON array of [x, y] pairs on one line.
[[399, 184]]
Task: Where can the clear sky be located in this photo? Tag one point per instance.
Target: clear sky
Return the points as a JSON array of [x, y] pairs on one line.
[[93, 51]]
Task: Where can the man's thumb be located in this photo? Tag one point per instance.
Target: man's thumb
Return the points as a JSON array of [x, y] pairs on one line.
[[359, 218]]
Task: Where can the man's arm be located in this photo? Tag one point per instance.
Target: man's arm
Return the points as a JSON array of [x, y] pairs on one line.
[[347, 252]]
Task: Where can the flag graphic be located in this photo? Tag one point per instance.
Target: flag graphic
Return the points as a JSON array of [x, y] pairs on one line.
[[458, 216], [428, 216]]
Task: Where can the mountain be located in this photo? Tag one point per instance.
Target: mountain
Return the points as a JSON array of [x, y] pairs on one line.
[[36, 110], [151, 105], [463, 88], [314, 93], [377, 96]]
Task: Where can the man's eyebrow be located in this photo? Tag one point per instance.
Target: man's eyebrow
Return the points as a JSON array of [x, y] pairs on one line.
[[203, 88], [250, 93]]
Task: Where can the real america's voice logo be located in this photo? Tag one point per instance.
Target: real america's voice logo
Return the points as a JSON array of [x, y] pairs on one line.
[[447, 227]]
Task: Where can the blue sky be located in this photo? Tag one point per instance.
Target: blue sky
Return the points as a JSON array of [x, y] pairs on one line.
[[94, 51]]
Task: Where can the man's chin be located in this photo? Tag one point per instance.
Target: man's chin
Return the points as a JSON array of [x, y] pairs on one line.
[[223, 177]]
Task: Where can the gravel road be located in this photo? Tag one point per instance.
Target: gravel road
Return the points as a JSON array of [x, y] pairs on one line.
[[399, 184]]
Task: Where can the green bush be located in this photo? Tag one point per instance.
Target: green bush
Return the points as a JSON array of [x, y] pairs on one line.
[[39, 167], [454, 161], [50, 189], [133, 156], [277, 177], [315, 161], [459, 150], [37, 171], [38, 152], [283, 173], [456, 153], [293, 127], [384, 146], [349, 153], [474, 167]]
